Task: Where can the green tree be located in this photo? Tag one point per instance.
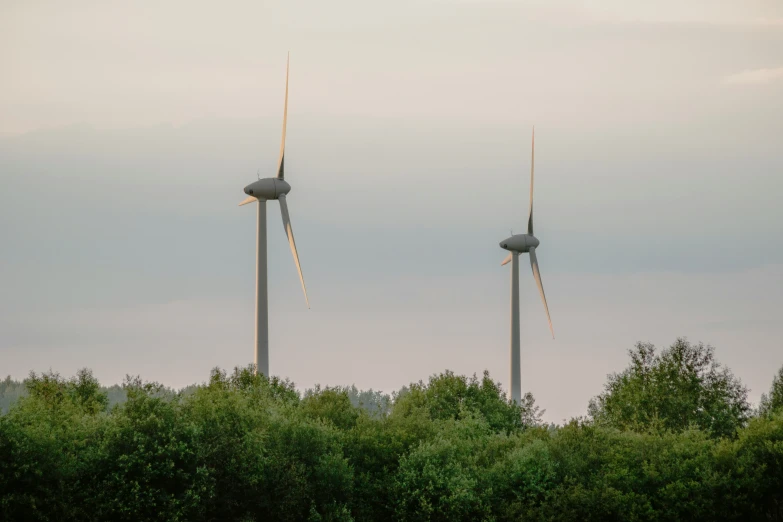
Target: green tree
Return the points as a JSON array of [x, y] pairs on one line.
[[450, 396], [87, 393], [439, 479], [148, 467], [47, 441], [682, 386], [269, 454], [246, 447], [332, 405], [774, 401], [230, 417], [755, 469], [374, 447]]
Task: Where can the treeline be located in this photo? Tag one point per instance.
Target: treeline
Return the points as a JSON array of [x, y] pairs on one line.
[[672, 437], [12, 390]]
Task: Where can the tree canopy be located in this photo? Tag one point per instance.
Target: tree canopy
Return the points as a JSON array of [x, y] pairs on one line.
[[246, 447], [681, 387], [773, 401]]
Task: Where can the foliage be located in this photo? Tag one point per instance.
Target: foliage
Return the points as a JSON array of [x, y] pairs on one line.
[[682, 387], [449, 396], [246, 447], [774, 401], [12, 390]]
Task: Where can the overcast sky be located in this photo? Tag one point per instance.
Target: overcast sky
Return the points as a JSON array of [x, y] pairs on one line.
[[127, 132]]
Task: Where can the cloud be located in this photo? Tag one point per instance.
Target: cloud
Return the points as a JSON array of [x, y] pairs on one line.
[[755, 76]]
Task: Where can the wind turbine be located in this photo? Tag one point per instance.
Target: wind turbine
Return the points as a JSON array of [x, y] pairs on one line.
[[260, 191], [519, 244]]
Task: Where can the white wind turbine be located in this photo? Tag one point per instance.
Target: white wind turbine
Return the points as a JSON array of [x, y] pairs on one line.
[[518, 244], [261, 191]]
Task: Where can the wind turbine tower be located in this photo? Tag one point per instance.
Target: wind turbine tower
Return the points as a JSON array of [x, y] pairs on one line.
[[519, 244], [261, 191]]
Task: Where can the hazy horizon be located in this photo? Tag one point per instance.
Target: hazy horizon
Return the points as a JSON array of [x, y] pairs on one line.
[[128, 132]]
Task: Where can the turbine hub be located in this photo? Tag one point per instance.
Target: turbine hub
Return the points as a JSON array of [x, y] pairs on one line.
[[519, 243], [268, 188]]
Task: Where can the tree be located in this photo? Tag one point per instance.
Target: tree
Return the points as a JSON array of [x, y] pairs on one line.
[[449, 396], [437, 481], [83, 391], [248, 448], [757, 468], [682, 386], [146, 468], [332, 405], [773, 401], [47, 440]]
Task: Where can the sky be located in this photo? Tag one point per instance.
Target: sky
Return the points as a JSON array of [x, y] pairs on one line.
[[127, 132]]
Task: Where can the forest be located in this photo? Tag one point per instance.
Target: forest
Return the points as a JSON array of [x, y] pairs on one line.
[[671, 437]]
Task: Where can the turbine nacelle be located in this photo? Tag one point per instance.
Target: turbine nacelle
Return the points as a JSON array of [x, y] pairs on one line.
[[519, 243], [268, 188]]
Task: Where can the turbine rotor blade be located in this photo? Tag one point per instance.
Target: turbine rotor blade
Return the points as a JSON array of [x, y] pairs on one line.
[[289, 232], [249, 199], [281, 161], [537, 275], [532, 170], [507, 260]]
